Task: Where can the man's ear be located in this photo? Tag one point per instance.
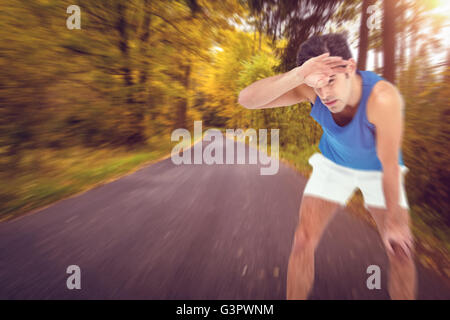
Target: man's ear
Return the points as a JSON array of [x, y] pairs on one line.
[[351, 66]]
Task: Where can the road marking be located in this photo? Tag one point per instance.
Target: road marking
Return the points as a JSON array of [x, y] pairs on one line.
[[71, 219], [244, 271], [276, 272]]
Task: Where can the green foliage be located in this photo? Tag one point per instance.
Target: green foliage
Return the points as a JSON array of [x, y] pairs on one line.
[[426, 141]]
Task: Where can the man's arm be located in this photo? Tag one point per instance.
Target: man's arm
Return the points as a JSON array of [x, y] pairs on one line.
[[279, 90], [293, 86], [387, 116]]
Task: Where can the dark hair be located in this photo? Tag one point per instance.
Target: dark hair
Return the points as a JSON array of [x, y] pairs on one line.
[[334, 43]]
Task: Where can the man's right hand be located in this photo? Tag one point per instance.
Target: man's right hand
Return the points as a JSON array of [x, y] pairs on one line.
[[316, 71]]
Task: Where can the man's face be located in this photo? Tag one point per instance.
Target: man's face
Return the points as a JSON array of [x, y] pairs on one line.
[[336, 93]]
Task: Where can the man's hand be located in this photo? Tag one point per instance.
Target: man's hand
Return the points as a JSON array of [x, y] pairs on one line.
[[317, 70], [397, 234]]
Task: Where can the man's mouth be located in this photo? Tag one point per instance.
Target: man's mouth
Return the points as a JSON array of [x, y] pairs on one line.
[[331, 102]]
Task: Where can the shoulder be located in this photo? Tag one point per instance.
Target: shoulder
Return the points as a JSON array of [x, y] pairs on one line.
[[384, 99]]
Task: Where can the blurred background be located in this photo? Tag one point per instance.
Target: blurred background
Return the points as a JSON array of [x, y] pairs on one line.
[[81, 106]]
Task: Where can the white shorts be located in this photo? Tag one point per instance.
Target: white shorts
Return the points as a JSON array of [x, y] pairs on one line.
[[337, 183]]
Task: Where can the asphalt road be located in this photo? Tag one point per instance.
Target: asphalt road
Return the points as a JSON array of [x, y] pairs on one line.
[[188, 232]]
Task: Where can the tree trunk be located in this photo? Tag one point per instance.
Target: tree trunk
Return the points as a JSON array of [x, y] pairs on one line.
[[375, 60], [123, 42], [254, 40], [389, 33], [447, 63], [183, 103], [415, 26], [134, 122], [144, 44], [363, 36], [402, 40], [260, 30]]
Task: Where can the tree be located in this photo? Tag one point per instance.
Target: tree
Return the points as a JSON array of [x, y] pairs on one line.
[[389, 36], [295, 21], [363, 35]]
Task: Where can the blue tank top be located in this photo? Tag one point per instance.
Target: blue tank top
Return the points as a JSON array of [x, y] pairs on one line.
[[354, 144]]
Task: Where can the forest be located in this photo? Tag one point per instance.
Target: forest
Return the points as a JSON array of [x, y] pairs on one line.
[[82, 106]]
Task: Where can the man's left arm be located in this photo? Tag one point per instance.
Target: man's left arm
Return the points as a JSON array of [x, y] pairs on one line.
[[387, 116]]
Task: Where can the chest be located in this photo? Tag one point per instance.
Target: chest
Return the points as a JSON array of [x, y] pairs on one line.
[[345, 117]]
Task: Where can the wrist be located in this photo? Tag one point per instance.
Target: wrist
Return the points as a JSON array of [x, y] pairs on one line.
[[396, 215], [299, 74]]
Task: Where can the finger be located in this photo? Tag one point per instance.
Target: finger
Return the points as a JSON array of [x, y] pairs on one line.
[[326, 68], [400, 249], [327, 72], [337, 63], [332, 59], [333, 71], [397, 248], [326, 76], [322, 56], [322, 73], [336, 67], [340, 69], [410, 245], [389, 248], [405, 249]]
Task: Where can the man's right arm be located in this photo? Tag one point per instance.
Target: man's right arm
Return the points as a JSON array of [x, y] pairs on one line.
[[281, 90], [292, 87]]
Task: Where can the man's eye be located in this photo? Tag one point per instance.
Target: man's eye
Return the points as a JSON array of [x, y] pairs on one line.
[[330, 81]]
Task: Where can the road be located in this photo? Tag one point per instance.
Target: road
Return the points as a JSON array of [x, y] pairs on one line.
[[199, 231]]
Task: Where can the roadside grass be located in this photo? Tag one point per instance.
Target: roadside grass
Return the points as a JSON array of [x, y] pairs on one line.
[[45, 176]]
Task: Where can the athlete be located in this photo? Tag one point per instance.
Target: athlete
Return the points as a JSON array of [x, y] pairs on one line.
[[361, 115]]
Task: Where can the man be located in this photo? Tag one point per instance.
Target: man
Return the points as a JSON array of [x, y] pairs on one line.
[[362, 119]]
